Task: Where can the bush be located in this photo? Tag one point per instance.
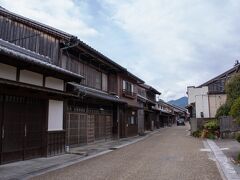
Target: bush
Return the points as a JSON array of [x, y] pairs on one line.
[[235, 110], [237, 137], [211, 125], [238, 157], [197, 133], [211, 136], [223, 110], [233, 88]]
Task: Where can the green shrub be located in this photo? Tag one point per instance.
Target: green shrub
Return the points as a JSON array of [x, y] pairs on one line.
[[237, 137], [238, 157], [211, 125], [223, 110], [233, 89], [235, 110], [211, 136], [197, 133]]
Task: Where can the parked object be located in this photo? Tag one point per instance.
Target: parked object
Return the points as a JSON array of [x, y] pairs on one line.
[[180, 122]]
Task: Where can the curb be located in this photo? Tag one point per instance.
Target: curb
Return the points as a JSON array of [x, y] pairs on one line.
[[224, 165]]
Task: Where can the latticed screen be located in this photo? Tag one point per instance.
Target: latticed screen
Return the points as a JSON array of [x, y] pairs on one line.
[[77, 128], [86, 128]]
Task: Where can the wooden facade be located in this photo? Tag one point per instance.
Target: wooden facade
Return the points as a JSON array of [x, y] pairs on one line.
[[87, 123], [56, 91], [32, 88]]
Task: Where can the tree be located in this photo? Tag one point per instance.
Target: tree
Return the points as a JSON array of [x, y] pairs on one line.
[[232, 104], [235, 110], [233, 89], [223, 110]]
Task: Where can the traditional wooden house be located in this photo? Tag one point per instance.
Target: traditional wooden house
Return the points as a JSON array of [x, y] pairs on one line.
[[142, 100], [167, 115], [32, 88], [151, 115], [148, 114], [128, 114], [94, 115], [32, 99]]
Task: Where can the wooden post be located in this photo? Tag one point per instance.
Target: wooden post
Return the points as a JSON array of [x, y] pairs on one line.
[[118, 121]]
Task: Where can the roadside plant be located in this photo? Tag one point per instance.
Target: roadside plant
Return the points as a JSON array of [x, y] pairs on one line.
[[238, 158], [237, 137], [211, 125], [233, 89], [211, 130], [197, 133], [235, 110], [223, 110]]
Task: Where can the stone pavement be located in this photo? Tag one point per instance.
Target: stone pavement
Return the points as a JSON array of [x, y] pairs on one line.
[[30, 168], [166, 155], [231, 148], [224, 164]]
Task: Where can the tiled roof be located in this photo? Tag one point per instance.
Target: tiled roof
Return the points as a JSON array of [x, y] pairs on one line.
[[33, 58]]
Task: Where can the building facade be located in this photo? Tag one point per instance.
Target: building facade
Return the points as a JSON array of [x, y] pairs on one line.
[[204, 100], [58, 92]]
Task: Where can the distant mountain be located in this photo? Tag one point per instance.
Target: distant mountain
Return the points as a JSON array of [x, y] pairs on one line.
[[181, 102]]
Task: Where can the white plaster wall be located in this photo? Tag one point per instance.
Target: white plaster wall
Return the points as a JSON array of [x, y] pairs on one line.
[[215, 101], [54, 83], [30, 77], [55, 115], [8, 72], [193, 92], [202, 105]]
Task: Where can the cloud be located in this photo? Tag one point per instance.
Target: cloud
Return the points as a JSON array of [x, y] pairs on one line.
[[168, 44], [184, 42], [62, 14]]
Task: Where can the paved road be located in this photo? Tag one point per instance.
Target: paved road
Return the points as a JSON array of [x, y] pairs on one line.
[[167, 155]]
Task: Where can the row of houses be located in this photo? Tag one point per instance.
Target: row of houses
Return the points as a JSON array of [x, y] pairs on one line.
[[56, 91], [205, 99]]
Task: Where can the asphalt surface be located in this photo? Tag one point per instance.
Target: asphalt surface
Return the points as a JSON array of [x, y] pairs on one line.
[[167, 155]]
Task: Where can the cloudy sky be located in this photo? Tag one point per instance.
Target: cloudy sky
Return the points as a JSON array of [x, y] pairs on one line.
[[169, 44]]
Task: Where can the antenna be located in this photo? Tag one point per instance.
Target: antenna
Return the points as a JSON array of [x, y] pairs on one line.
[[236, 62]]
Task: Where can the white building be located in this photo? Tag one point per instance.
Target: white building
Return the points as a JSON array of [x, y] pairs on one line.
[[204, 103], [204, 100]]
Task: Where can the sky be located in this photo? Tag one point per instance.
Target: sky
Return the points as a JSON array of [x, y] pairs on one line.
[[169, 44]]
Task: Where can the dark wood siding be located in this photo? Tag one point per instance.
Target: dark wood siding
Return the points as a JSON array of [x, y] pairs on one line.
[[86, 124], [113, 84], [23, 123], [55, 143], [29, 38], [92, 75]]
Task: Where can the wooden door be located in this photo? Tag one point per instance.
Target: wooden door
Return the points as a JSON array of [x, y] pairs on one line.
[[100, 127], [12, 129], [90, 128], [33, 128], [22, 128], [109, 125]]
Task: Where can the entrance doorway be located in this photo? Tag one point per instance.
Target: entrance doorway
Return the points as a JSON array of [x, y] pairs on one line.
[[22, 127]]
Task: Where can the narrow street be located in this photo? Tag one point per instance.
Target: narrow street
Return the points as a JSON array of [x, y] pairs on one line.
[[168, 154]]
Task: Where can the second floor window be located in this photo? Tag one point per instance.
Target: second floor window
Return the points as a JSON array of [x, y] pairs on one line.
[[104, 82], [127, 86]]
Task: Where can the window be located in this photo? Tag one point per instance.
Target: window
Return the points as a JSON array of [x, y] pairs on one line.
[[104, 82], [127, 86], [131, 120]]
